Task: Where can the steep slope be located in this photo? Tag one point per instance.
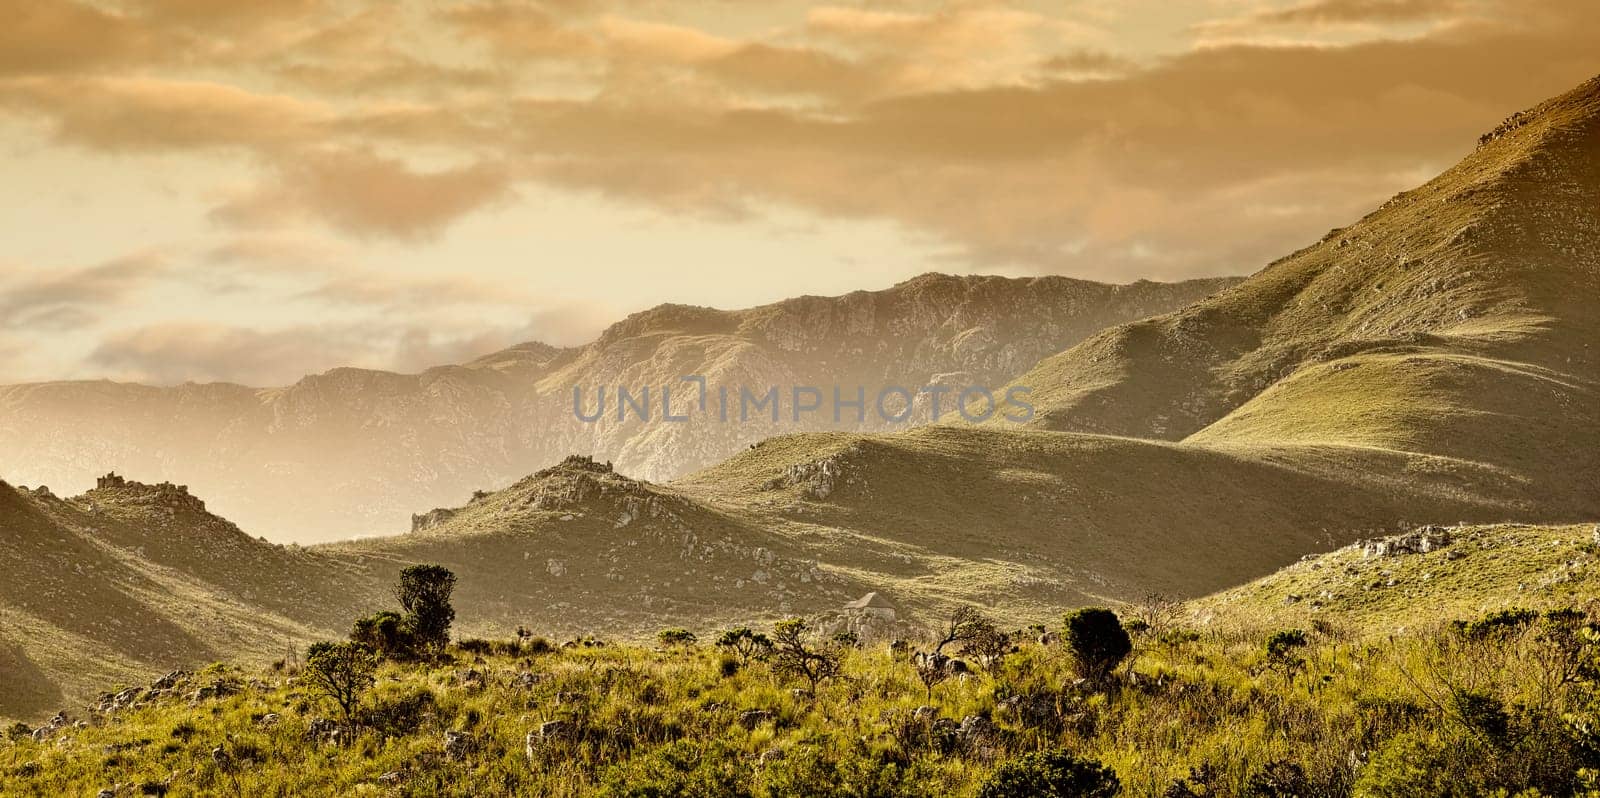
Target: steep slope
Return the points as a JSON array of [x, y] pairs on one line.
[[1456, 320], [354, 452], [133, 580]]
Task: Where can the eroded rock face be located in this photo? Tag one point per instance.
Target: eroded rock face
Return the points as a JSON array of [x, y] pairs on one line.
[[1421, 541], [431, 518], [818, 479]]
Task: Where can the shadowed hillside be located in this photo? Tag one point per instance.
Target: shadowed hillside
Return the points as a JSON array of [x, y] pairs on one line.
[[124, 582]]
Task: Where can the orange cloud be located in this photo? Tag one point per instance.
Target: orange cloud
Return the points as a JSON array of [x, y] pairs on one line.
[[364, 194]]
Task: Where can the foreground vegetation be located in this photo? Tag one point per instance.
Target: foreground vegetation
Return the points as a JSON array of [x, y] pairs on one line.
[[1502, 704]]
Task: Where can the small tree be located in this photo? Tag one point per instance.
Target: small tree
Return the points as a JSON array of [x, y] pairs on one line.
[[745, 644], [424, 592], [965, 624], [989, 646], [1158, 613], [1097, 641], [341, 671], [1051, 774], [793, 657]]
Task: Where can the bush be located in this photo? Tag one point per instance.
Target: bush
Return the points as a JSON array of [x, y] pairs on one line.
[[1495, 625], [387, 633], [342, 672], [1280, 779], [745, 644], [424, 592], [793, 657], [682, 768], [1051, 774], [1280, 652], [672, 638], [1097, 641]]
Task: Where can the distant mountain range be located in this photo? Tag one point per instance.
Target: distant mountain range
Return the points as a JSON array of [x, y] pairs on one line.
[[1433, 363], [355, 452]]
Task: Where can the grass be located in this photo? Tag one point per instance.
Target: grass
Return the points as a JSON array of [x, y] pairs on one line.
[[1188, 703], [1482, 569]]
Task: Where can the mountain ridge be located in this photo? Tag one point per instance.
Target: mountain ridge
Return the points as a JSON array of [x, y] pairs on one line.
[[350, 452]]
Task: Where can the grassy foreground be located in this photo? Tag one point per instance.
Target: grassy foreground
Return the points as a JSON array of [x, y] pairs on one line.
[[1505, 705]]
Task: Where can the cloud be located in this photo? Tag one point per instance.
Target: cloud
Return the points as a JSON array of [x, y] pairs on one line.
[[135, 114], [68, 36], [39, 300], [205, 352], [1138, 174], [366, 195], [199, 351], [1326, 12]]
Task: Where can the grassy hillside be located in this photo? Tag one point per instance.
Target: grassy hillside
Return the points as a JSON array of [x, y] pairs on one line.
[[1502, 708], [1456, 320], [1391, 585], [127, 582]]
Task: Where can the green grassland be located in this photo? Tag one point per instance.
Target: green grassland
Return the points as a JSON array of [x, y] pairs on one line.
[[1377, 696]]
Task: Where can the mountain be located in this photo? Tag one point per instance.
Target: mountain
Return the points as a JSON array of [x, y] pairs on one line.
[[1456, 321], [356, 452]]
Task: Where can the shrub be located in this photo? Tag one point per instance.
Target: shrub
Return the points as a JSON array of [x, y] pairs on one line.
[[672, 638], [1279, 779], [1495, 625], [682, 768], [1097, 642], [1281, 648], [1051, 774], [745, 644], [1481, 712], [424, 593], [387, 633], [399, 715], [340, 671], [793, 657]]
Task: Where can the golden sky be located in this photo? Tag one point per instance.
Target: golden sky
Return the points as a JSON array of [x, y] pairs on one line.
[[251, 190]]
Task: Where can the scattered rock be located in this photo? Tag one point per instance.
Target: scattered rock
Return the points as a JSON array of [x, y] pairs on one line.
[[752, 718], [458, 744]]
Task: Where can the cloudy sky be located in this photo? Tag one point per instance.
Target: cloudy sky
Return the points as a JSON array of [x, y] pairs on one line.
[[256, 189]]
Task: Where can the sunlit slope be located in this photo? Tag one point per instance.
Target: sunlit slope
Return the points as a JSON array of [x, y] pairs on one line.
[[1456, 320]]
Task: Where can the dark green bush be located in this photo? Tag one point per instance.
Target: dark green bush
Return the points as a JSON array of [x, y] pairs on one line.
[[1051, 774], [1097, 641]]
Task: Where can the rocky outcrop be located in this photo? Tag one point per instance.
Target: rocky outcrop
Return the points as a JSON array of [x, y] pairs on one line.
[[431, 518], [1421, 541]]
